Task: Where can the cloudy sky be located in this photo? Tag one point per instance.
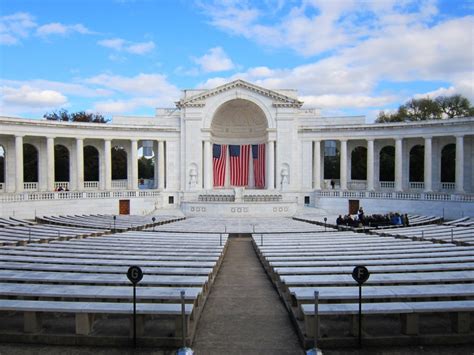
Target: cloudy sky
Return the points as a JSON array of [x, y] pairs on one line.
[[347, 57]]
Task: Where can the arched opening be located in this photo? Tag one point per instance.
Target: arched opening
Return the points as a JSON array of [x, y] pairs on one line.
[[30, 165], [146, 165], [119, 167], [2, 168], [91, 164], [448, 163], [417, 166], [61, 166], [332, 161], [359, 163], [239, 134], [387, 164]]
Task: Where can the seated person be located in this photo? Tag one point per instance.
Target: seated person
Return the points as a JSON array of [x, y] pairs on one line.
[[339, 220]]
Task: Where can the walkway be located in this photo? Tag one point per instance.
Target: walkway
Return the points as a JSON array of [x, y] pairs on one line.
[[243, 314]]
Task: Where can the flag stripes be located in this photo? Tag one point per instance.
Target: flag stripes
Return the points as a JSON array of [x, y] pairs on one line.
[[239, 164], [219, 164], [258, 157]]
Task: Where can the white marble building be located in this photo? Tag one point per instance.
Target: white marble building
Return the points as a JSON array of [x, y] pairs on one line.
[[297, 142]]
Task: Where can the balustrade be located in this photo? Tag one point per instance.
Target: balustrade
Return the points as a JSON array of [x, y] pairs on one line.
[[448, 185], [387, 184], [61, 184], [357, 185], [417, 185], [30, 186], [119, 184], [91, 184]]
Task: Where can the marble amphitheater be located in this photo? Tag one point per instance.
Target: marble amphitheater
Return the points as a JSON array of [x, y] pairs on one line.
[[239, 186]]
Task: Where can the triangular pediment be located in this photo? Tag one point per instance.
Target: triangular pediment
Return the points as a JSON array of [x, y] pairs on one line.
[[279, 99]]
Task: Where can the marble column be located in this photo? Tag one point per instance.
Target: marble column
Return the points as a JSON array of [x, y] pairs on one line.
[[270, 165], [459, 177], [428, 165], [133, 178], [19, 186], [80, 163], [317, 165], [398, 164], [343, 165], [370, 165], [50, 176], [107, 164], [161, 165], [207, 166]]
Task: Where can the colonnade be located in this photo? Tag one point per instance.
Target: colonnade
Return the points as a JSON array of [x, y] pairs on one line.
[[76, 155], [399, 166]]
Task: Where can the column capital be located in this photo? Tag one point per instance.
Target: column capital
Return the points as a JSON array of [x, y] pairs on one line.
[[427, 137], [370, 139], [398, 138], [459, 136], [343, 140], [19, 135]]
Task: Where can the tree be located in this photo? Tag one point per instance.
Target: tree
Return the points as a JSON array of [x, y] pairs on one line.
[[421, 109], [455, 106], [429, 109], [81, 116], [146, 168]]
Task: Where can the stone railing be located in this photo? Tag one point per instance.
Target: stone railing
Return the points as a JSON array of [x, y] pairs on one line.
[[91, 185], [119, 184], [416, 185], [30, 186], [357, 185], [448, 185], [75, 195], [431, 196], [387, 184]]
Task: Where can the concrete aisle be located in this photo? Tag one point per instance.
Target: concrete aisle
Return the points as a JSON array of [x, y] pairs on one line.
[[243, 314]]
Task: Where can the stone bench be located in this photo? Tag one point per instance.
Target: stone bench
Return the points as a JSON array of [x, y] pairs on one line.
[[380, 279], [374, 269], [85, 311], [99, 293], [409, 313]]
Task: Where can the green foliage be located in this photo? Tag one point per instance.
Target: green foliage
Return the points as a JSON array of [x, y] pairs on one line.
[[146, 168], [119, 163], [81, 116], [429, 109]]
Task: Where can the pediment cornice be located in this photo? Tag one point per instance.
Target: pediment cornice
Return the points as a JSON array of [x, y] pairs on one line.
[[279, 100]]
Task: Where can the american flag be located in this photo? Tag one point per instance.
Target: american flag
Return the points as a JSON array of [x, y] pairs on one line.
[[218, 164], [239, 164], [258, 155]]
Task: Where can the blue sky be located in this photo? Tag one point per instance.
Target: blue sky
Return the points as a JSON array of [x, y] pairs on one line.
[[345, 57]]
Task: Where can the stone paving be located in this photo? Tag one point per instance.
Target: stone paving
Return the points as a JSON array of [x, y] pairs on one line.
[[244, 314]]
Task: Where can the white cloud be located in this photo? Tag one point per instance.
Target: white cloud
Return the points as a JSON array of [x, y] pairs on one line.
[[122, 45], [345, 101], [214, 60], [15, 27], [30, 97], [57, 28]]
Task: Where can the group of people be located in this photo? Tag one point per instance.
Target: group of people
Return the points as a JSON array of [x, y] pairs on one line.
[[60, 188], [375, 220]]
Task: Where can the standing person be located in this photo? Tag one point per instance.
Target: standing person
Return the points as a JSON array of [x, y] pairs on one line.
[[360, 215], [333, 184], [406, 222]]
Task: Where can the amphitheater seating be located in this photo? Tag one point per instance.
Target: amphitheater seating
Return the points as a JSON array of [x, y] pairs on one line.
[[452, 233], [87, 278], [409, 279], [120, 223]]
